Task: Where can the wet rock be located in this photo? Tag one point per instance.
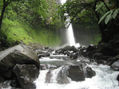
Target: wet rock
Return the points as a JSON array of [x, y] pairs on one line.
[[14, 57], [58, 57], [70, 51], [89, 72], [48, 77], [62, 77], [115, 65], [43, 54], [25, 75], [76, 73], [118, 79], [111, 60], [66, 50], [28, 71], [70, 48], [5, 85], [80, 72], [73, 56], [43, 67]]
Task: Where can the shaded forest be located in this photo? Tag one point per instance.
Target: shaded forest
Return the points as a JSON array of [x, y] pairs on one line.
[[29, 21]]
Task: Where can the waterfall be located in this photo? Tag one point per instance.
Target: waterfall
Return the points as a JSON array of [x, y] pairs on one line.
[[69, 30]]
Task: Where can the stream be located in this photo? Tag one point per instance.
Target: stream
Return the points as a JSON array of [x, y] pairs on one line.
[[105, 77], [56, 70]]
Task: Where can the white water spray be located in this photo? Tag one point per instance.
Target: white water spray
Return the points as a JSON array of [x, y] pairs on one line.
[[105, 79], [69, 30]]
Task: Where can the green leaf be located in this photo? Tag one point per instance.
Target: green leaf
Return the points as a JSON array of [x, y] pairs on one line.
[[115, 13], [108, 17], [98, 7], [103, 17]]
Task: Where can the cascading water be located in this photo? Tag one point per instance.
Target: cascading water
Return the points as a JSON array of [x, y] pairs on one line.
[[105, 79], [69, 30]]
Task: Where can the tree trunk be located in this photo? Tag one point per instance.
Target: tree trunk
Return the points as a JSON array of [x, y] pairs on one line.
[[2, 13]]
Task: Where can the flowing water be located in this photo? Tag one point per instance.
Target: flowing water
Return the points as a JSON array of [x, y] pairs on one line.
[[105, 78]]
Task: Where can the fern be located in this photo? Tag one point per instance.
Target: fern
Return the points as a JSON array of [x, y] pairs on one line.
[[103, 17], [115, 13], [112, 14], [108, 17]]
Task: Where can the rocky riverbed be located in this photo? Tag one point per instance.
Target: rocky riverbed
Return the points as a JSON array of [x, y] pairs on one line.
[[19, 65]]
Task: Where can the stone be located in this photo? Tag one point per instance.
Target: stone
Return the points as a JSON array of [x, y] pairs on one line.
[[118, 78], [43, 54], [89, 72], [76, 73], [26, 74], [66, 50], [48, 77], [80, 72], [5, 85], [43, 67], [115, 65], [62, 77], [19, 63]]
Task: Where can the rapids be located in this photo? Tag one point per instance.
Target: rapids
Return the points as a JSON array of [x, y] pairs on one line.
[[105, 79]]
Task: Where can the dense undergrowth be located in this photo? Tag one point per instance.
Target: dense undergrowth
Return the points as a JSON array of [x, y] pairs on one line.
[[22, 32], [32, 22]]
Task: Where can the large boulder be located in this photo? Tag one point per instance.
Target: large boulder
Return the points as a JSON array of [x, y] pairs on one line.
[[76, 73], [79, 72], [15, 57], [25, 74]]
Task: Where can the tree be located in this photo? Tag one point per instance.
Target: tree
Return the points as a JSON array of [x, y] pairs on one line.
[[4, 6], [105, 13]]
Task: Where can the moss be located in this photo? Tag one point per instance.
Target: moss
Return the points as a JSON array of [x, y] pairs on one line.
[[18, 31]]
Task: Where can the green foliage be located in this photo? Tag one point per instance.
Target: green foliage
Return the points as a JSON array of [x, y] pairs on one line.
[[18, 31], [108, 16], [100, 8], [32, 21], [80, 11]]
